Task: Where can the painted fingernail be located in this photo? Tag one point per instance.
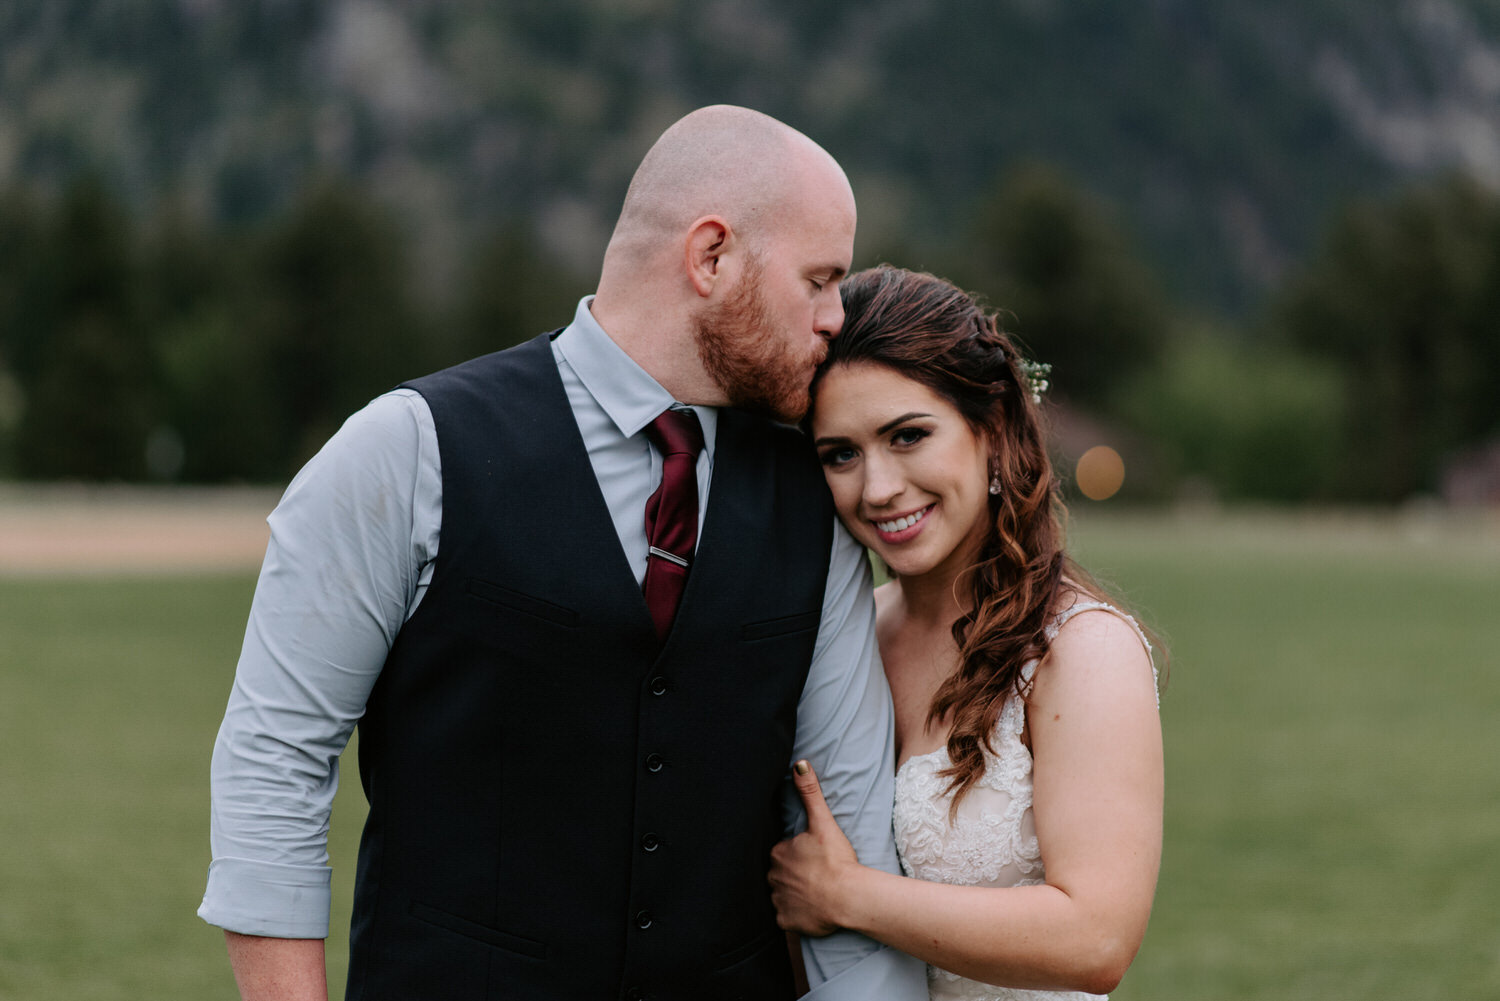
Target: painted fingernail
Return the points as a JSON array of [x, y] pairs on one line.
[[802, 767]]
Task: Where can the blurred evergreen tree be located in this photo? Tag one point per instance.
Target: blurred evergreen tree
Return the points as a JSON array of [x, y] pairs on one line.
[[330, 319], [1244, 422], [1076, 292], [513, 291], [219, 392], [1404, 298], [80, 347], [20, 231]]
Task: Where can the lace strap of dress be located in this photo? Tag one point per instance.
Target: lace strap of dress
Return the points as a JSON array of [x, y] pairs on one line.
[[1102, 606]]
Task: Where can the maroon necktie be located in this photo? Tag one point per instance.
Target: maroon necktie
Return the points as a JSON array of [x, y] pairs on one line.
[[672, 514]]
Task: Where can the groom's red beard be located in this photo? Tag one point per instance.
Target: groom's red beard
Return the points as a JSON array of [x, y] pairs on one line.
[[747, 360]]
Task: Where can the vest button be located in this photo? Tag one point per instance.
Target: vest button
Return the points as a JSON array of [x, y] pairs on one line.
[[654, 762], [643, 919], [658, 685], [650, 842]]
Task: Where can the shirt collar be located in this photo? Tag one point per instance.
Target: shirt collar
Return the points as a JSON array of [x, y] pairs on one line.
[[624, 391]]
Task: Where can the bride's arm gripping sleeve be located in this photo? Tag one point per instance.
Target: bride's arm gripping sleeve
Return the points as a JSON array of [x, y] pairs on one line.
[[845, 727]]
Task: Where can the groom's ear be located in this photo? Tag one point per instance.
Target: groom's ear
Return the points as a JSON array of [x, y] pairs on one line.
[[708, 240]]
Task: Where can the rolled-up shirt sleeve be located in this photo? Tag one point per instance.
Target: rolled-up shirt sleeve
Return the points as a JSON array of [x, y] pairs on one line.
[[846, 728], [350, 543]]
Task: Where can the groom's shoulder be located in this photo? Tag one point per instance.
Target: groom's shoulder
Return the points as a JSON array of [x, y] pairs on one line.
[[491, 378], [528, 356]]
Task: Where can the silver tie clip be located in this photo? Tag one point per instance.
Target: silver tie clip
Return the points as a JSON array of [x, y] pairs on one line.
[[669, 557]]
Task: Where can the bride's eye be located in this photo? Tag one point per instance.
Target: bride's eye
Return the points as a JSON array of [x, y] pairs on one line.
[[909, 436], [835, 457]]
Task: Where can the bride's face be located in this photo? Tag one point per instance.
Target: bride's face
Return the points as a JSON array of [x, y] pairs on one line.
[[909, 477]]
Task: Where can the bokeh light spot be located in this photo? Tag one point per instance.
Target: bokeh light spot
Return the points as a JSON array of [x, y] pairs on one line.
[[1100, 473]]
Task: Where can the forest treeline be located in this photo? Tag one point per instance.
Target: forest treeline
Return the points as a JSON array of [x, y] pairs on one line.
[[168, 349], [1224, 131]]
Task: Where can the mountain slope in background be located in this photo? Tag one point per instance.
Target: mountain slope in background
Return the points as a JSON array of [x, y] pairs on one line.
[[1225, 133]]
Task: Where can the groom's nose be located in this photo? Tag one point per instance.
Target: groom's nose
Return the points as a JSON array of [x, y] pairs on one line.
[[828, 318]]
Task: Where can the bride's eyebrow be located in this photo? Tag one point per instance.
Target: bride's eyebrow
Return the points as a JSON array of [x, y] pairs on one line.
[[889, 425], [830, 440]]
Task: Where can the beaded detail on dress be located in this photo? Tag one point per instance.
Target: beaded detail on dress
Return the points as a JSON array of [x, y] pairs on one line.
[[992, 841]]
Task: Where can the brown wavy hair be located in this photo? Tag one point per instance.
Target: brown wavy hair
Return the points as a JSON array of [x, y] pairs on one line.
[[935, 333]]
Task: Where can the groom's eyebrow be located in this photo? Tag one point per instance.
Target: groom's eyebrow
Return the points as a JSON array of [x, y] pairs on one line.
[[891, 425]]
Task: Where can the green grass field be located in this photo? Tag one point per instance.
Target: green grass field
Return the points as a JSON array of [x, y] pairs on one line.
[[1333, 766]]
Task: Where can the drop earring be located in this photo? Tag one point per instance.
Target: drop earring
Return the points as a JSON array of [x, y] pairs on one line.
[[994, 483]]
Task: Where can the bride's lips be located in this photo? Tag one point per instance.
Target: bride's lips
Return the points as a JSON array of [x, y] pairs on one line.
[[902, 527]]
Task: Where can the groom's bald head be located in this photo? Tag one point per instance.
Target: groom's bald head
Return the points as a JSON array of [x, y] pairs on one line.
[[721, 279], [722, 160]]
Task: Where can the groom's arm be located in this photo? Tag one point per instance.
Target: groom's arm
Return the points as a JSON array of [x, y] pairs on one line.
[[349, 543], [846, 728], [277, 969]]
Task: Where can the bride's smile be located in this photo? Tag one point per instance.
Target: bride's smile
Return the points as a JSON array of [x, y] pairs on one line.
[[900, 529]]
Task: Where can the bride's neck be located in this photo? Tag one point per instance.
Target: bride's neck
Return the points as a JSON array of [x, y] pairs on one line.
[[932, 601]]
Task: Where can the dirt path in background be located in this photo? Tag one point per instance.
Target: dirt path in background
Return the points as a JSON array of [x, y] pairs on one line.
[[58, 530]]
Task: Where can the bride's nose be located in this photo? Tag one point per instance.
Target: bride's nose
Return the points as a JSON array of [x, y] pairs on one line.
[[883, 480]]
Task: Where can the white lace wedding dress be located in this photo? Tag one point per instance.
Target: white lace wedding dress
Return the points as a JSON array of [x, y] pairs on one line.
[[993, 840]]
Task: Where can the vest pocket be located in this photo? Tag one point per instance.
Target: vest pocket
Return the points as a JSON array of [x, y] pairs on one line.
[[521, 602], [478, 932], [782, 626]]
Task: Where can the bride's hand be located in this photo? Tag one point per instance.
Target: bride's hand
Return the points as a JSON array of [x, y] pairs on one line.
[[806, 871]]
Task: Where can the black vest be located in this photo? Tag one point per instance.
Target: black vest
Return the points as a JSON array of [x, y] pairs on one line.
[[561, 807]]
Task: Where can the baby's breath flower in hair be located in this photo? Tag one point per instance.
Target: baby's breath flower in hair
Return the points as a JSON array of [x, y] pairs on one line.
[[1036, 374]]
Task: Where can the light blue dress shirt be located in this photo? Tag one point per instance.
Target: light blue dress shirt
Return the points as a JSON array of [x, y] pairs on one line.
[[350, 556]]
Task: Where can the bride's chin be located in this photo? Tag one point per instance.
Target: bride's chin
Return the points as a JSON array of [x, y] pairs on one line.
[[899, 562]]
